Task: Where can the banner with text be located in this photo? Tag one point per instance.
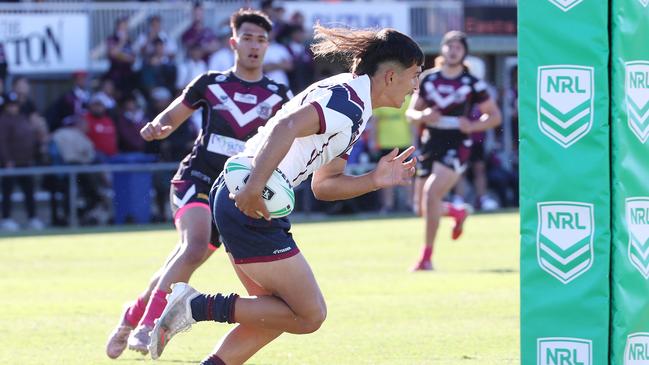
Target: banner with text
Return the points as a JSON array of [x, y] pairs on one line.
[[39, 43], [353, 14], [630, 148], [564, 181]]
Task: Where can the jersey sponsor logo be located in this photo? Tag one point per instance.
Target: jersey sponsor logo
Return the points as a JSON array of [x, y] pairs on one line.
[[637, 220], [565, 5], [636, 350], [242, 119], [636, 88], [223, 145], [245, 98], [564, 243], [564, 351], [565, 102]]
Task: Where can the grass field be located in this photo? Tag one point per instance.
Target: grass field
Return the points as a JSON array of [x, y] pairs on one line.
[[61, 294]]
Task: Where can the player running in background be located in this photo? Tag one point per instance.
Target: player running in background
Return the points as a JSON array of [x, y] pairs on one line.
[[312, 134], [441, 109], [234, 104]]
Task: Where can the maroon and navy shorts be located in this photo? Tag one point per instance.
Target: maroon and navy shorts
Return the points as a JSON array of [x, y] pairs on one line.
[[192, 193], [450, 147], [250, 240]]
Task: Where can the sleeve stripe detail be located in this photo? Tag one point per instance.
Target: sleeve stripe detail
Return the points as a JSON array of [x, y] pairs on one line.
[[189, 105], [321, 117]]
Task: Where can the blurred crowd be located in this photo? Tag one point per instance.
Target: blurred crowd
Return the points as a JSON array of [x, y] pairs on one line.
[[97, 121]]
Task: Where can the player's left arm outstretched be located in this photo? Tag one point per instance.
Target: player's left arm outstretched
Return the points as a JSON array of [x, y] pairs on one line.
[[167, 121], [331, 183]]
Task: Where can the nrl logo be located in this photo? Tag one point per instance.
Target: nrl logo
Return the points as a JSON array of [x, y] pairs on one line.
[[636, 351], [565, 102], [564, 351], [566, 5], [636, 88], [637, 221], [644, 2], [564, 241]]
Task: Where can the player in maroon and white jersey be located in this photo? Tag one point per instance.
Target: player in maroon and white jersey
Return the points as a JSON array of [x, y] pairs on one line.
[[441, 109], [234, 104], [311, 135]]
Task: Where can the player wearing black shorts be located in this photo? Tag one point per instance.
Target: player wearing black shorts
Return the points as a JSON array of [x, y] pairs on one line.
[[440, 109], [234, 104]]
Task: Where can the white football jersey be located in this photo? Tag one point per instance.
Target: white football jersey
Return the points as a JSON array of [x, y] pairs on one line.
[[344, 105]]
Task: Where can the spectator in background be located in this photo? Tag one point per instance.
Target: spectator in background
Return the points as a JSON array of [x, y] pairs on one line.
[[171, 149], [22, 90], [121, 55], [391, 131], [18, 146], [101, 129], [2, 95], [158, 69], [128, 124], [223, 58], [4, 68], [199, 35], [108, 94], [278, 63], [193, 66], [73, 102], [276, 15], [147, 43], [71, 146], [303, 71], [189, 70]]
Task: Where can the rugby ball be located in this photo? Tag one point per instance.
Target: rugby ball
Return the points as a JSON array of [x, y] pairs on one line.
[[278, 193]]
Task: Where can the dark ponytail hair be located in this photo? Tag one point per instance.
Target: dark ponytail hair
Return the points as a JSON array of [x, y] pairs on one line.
[[363, 50]]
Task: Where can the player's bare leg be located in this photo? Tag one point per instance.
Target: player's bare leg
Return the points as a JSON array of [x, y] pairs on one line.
[[194, 229], [296, 306], [437, 185], [417, 200], [243, 341]]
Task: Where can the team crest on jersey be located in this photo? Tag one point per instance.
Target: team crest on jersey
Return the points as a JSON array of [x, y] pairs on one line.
[[565, 102], [564, 351], [264, 110], [636, 350], [564, 242], [636, 88], [565, 5], [637, 221]]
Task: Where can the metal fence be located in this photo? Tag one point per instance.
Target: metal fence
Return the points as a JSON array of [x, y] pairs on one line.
[[72, 171]]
